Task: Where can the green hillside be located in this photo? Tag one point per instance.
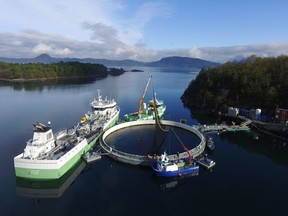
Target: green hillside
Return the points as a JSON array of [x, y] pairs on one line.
[[254, 83], [39, 71]]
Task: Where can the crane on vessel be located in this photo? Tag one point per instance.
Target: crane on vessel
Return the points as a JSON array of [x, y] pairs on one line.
[[184, 147], [142, 98]]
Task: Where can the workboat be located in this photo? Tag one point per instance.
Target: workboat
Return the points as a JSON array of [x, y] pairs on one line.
[[50, 155], [165, 168], [147, 112]]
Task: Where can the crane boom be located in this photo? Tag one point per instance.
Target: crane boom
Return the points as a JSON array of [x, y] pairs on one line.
[[142, 98]]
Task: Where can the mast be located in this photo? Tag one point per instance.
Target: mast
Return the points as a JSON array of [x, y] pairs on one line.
[[142, 98]]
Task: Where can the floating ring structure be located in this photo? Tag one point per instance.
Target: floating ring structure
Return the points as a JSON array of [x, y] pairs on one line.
[[142, 160]]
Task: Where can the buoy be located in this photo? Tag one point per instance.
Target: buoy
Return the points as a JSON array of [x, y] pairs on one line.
[[179, 174]]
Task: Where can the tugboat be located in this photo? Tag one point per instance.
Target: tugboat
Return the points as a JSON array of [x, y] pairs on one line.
[[144, 112], [50, 155]]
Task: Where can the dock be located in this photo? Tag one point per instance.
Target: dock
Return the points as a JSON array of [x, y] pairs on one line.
[[224, 127], [205, 162], [90, 157]]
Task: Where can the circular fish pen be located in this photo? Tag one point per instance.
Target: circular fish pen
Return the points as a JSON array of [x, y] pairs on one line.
[[123, 141]]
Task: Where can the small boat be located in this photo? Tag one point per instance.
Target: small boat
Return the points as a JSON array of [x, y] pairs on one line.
[[147, 112], [206, 162], [165, 168], [210, 144]]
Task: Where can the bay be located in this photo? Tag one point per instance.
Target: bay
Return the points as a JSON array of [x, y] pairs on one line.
[[250, 176]]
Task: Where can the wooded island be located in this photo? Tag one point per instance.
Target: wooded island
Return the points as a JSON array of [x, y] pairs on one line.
[[253, 83], [68, 70]]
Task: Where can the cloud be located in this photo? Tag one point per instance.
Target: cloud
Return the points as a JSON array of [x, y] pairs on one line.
[[230, 53], [51, 49], [106, 44], [102, 33], [148, 11], [195, 52]]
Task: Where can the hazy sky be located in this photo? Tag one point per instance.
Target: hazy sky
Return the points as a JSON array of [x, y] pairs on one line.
[[217, 30]]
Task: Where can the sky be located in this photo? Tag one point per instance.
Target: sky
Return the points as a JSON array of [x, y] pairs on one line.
[[215, 30]]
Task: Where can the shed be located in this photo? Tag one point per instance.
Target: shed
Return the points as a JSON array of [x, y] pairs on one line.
[[281, 115], [233, 111]]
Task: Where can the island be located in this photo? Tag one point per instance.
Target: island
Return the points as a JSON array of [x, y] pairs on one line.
[[136, 70], [14, 72]]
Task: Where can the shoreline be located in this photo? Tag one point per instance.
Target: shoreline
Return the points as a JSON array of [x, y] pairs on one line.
[[41, 80]]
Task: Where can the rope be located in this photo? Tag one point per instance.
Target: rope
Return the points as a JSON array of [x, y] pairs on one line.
[[156, 114], [177, 137], [269, 133]]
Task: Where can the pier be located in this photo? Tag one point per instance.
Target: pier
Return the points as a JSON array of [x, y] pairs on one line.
[[223, 127], [90, 157], [204, 161]]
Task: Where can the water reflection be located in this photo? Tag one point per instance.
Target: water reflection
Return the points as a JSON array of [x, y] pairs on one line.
[[141, 140], [39, 189], [52, 84], [173, 183]]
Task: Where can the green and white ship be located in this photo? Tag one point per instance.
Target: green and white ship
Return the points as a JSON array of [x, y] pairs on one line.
[[50, 155], [147, 112]]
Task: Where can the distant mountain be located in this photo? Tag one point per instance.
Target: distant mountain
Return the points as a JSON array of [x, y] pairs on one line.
[[108, 63], [185, 62], [43, 58], [175, 61], [46, 59]]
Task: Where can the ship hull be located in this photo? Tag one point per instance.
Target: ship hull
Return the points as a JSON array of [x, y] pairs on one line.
[[50, 169], [182, 171], [143, 116]]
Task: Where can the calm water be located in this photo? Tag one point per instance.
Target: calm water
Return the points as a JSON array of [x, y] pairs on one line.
[[141, 140], [250, 177]]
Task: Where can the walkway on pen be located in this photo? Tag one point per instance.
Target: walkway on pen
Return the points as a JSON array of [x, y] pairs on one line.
[[145, 160]]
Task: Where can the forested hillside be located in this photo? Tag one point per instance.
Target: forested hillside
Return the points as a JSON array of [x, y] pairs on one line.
[[39, 71], [255, 83]]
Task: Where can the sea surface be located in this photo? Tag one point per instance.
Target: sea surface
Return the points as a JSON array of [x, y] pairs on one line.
[[250, 176]]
